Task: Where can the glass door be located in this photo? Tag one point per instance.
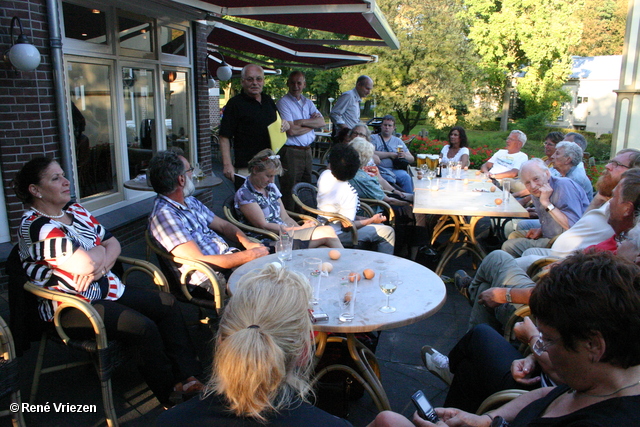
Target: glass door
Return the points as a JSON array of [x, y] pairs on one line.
[[140, 118]]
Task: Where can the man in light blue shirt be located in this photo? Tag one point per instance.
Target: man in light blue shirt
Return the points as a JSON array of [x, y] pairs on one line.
[[303, 118], [346, 111]]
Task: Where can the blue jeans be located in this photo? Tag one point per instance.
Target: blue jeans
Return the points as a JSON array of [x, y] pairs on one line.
[[403, 179]]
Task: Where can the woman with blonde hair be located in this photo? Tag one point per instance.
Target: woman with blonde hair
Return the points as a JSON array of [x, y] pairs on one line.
[[258, 202], [262, 361]]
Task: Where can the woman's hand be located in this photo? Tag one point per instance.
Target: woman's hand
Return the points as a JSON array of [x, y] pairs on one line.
[[453, 417], [82, 282], [521, 370], [525, 330]]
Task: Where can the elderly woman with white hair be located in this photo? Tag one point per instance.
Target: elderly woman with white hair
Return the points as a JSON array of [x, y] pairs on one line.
[[263, 360], [566, 160], [368, 186]]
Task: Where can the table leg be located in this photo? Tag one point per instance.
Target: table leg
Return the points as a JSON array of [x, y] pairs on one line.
[[366, 362], [464, 232]]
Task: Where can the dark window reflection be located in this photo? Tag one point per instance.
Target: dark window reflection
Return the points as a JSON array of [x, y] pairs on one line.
[[135, 34], [83, 23], [173, 41]]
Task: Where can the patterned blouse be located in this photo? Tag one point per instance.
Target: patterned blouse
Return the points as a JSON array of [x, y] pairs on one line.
[[269, 204], [46, 243]]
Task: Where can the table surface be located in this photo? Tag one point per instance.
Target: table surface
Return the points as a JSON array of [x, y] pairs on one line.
[[209, 181], [421, 293], [454, 197]]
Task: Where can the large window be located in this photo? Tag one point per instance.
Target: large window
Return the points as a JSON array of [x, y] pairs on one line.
[[130, 92]]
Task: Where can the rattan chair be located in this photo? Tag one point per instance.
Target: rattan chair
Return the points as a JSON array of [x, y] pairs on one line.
[[178, 282], [105, 354], [306, 197], [498, 399], [9, 385]]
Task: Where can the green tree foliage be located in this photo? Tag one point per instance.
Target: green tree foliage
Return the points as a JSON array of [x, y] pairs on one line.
[[530, 37], [603, 28], [433, 71]]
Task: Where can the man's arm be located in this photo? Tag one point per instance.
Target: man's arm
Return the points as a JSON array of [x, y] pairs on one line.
[[597, 202], [232, 233], [485, 168], [190, 250], [303, 126], [513, 173], [225, 149]]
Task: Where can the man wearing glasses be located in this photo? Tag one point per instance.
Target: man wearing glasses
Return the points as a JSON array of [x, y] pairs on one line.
[[186, 228], [246, 119]]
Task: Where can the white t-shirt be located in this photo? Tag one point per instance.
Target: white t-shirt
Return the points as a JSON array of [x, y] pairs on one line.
[[505, 162], [461, 152], [336, 196]]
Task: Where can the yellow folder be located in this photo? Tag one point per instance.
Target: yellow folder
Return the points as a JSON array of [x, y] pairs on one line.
[[278, 138]]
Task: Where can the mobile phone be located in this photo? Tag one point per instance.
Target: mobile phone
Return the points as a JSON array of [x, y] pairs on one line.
[[425, 410]]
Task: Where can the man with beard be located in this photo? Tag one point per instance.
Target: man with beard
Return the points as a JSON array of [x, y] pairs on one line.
[[593, 227], [185, 227]]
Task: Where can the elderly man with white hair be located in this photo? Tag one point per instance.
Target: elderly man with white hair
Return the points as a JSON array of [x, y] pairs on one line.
[[559, 203], [506, 163], [566, 160]]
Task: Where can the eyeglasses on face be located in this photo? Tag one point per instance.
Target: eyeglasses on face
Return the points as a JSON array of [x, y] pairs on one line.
[[188, 170], [364, 135], [617, 164]]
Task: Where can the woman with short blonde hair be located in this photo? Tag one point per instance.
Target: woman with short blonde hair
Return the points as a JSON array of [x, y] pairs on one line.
[[263, 359]]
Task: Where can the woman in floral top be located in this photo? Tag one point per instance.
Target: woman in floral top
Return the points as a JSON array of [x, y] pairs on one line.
[[258, 203]]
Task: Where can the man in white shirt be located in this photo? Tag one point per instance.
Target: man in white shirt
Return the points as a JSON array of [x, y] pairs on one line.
[[505, 163], [303, 118]]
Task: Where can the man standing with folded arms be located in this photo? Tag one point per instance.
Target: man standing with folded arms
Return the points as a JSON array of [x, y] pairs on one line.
[[303, 118]]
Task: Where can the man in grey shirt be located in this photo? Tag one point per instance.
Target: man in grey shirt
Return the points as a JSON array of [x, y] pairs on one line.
[[346, 111]]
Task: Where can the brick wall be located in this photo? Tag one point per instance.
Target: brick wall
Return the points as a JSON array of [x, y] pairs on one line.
[[28, 125]]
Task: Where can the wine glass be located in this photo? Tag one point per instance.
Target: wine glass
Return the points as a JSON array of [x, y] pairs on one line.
[[283, 249], [431, 173], [388, 284], [313, 267]]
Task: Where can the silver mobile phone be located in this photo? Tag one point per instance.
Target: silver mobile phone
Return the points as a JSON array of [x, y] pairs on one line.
[[425, 410]]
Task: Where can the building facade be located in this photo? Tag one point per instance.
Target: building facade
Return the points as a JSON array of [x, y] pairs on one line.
[[123, 80]]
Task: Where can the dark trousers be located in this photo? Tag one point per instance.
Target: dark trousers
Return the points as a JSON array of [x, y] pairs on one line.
[[153, 321], [481, 364], [297, 165]]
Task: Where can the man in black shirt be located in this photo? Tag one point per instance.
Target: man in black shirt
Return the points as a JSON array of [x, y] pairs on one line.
[[246, 118]]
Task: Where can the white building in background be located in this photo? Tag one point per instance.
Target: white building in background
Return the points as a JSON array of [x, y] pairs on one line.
[[592, 86]]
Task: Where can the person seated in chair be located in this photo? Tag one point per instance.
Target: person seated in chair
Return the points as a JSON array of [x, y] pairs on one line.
[[336, 195], [579, 308], [186, 228], [258, 202], [394, 155], [64, 248], [263, 360], [559, 203]]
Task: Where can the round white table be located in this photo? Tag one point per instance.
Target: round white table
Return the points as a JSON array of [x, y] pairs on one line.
[[421, 294]]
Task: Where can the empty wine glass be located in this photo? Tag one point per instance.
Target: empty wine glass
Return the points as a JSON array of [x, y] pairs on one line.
[[283, 249], [313, 267], [388, 284]]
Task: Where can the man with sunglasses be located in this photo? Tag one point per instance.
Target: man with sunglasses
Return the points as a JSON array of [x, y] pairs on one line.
[[246, 119]]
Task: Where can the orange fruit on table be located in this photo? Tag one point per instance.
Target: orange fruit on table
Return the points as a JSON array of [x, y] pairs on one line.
[[354, 276], [369, 274], [498, 201], [334, 254], [493, 188]]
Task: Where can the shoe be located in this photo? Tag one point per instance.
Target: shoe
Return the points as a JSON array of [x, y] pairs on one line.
[[462, 281], [436, 363], [183, 392]]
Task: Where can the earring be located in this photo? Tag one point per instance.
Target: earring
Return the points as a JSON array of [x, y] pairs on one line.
[[40, 196]]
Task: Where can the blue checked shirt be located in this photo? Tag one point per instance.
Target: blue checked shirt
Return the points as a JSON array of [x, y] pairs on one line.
[[173, 224]]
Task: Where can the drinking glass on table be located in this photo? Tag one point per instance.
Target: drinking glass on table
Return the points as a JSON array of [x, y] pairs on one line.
[[286, 235], [388, 283], [284, 249], [348, 280], [313, 268]]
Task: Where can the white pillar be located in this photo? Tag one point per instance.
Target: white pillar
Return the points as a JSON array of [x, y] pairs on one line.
[[626, 125]]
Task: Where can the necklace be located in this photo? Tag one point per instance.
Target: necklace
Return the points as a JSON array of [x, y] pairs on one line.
[[606, 395], [49, 216]]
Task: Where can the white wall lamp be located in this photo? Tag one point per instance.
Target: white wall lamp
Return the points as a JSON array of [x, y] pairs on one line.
[[224, 71], [22, 55]]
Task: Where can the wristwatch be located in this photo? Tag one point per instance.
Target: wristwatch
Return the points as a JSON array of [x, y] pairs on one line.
[[550, 207], [499, 422], [508, 295]]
